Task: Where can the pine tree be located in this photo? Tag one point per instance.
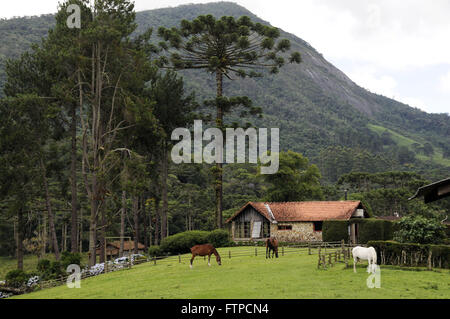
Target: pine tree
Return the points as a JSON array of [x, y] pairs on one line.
[[225, 47]]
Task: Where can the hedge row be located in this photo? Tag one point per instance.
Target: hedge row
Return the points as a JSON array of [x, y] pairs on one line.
[[181, 243], [412, 255], [369, 229], [335, 230]]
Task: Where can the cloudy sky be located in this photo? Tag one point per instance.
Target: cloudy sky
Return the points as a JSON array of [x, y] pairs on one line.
[[397, 48]]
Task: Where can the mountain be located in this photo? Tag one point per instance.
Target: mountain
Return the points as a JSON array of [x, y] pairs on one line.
[[320, 111]]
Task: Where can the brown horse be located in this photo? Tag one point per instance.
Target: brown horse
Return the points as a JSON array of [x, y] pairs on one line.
[[205, 250], [271, 245]]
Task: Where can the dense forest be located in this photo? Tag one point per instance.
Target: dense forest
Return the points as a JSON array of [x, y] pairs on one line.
[[86, 117]]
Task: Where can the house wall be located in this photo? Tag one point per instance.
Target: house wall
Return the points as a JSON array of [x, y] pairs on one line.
[[301, 231], [250, 215]]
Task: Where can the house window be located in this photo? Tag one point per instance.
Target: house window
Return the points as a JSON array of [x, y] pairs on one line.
[[246, 229], [266, 229], [318, 226], [284, 227]]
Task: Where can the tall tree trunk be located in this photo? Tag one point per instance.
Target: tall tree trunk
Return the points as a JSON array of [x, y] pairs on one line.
[[123, 212], [44, 233], [51, 220], [150, 226], [157, 217], [93, 233], [144, 216], [96, 87], [73, 183], [64, 236], [80, 232], [20, 230], [219, 167], [136, 222], [16, 239], [102, 233], [164, 211]]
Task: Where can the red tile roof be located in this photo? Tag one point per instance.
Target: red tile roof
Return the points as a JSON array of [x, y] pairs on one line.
[[304, 211]]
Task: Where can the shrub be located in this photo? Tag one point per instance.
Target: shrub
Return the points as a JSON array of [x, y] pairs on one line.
[[154, 251], [335, 230], [411, 254], [389, 228], [418, 229], [68, 258], [371, 229], [43, 266], [181, 243], [16, 278], [55, 269], [219, 238]]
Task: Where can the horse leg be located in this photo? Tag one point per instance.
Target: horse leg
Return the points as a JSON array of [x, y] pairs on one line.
[[209, 258], [192, 259], [267, 249], [354, 264]]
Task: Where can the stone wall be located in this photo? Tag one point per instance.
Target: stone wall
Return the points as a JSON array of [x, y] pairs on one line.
[[301, 231]]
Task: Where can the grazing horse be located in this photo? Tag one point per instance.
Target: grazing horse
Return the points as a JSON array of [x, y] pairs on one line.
[[362, 253], [271, 245], [205, 250]]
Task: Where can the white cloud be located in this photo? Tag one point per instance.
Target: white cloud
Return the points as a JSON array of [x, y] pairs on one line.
[[414, 102], [444, 83], [368, 78]]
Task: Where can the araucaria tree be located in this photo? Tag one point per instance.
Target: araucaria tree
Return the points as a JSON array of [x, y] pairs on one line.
[[225, 47]]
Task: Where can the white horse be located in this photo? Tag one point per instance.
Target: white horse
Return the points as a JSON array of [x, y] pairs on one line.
[[368, 254]]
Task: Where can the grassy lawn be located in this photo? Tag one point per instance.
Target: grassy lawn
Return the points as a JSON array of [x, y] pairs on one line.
[[401, 140], [292, 276]]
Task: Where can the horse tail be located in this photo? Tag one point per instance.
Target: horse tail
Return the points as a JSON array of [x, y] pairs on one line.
[[374, 255]]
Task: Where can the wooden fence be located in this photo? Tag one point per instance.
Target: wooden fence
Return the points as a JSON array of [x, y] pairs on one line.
[[336, 254]]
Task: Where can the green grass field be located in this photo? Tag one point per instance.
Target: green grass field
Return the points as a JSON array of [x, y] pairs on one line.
[[401, 140], [292, 276]]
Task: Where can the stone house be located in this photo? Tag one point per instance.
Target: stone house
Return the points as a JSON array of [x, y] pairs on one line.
[[292, 221], [113, 248]]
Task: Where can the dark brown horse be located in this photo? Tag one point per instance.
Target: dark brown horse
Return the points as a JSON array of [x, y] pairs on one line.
[[271, 245], [205, 250]]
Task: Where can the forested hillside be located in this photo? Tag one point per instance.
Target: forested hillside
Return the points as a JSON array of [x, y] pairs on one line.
[[321, 113]]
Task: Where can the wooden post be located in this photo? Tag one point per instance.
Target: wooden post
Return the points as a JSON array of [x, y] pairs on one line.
[[154, 260], [329, 259], [429, 259], [129, 251], [256, 251], [309, 248], [319, 260], [345, 259], [229, 254], [282, 250], [106, 255], [179, 258], [324, 262]]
